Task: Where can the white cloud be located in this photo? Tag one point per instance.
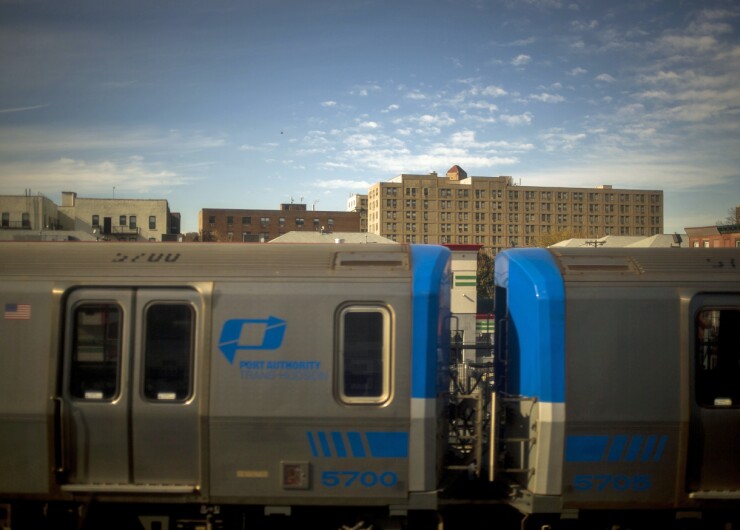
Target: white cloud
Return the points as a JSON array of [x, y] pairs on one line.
[[547, 98], [521, 60], [22, 109], [328, 103], [132, 175], [493, 91], [558, 140], [416, 95], [517, 119], [432, 120], [342, 184], [606, 78]]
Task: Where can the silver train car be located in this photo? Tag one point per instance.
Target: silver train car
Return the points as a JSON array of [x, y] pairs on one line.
[[210, 375], [180, 386], [618, 388]]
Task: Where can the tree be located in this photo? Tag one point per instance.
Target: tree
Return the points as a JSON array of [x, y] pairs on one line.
[[484, 280], [733, 217]]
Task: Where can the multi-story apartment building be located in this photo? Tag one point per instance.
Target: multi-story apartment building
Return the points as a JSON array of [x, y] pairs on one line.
[[107, 219], [495, 212], [222, 224]]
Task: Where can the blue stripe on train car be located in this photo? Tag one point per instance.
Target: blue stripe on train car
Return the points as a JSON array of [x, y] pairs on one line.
[[618, 448], [380, 444], [431, 303], [536, 330]]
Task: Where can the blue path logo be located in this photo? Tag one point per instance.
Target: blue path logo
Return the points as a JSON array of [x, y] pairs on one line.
[[247, 334]]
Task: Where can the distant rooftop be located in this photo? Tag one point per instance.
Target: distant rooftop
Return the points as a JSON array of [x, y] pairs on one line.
[[333, 237], [656, 241]]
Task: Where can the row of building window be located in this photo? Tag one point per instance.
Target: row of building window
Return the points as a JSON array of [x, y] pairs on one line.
[[498, 243], [561, 219], [25, 220], [462, 193], [122, 221], [265, 221], [529, 217], [411, 204]]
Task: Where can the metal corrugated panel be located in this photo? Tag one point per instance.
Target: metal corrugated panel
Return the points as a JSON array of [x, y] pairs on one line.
[[649, 264], [197, 261]]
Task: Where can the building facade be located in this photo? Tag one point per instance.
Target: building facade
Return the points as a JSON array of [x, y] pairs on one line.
[[119, 219], [727, 236], [105, 219], [496, 212], [464, 298], [221, 224], [28, 212], [358, 203]]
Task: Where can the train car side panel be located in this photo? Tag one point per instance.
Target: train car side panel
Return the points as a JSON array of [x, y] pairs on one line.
[[25, 332], [624, 396], [282, 429]]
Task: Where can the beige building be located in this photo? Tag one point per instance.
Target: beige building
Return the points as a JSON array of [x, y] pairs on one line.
[[28, 212], [103, 219], [119, 219], [496, 212], [358, 203]]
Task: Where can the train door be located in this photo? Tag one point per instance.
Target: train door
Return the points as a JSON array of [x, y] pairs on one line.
[[714, 455], [129, 396]]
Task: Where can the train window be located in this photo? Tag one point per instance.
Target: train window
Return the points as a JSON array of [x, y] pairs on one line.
[[718, 358], [364, 354], [96, 351], [168, 351]]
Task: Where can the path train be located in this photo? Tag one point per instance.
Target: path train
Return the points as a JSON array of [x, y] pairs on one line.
[[174, 386]]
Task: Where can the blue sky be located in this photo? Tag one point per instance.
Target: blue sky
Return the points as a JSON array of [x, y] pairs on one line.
[[249, 104]]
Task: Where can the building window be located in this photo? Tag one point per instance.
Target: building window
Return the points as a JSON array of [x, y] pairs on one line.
[[229, 219], [132, 221], [122, 220], [300, 221], [152, 222], [364, 354], [264, 221], [6, 219], [247, 220], [96, 221], [25, 220], [212, 220]]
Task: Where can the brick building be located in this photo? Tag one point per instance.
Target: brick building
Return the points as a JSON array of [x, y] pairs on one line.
[[222, 224], [495, 212]]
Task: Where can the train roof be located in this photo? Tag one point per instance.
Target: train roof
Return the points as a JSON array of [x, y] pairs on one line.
[[199, 261], [629, 264]]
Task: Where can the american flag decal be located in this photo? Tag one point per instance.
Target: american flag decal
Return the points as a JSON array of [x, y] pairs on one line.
[[17, 311]]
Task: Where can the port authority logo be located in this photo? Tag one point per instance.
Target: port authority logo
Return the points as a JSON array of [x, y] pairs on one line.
[[250, 334]]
